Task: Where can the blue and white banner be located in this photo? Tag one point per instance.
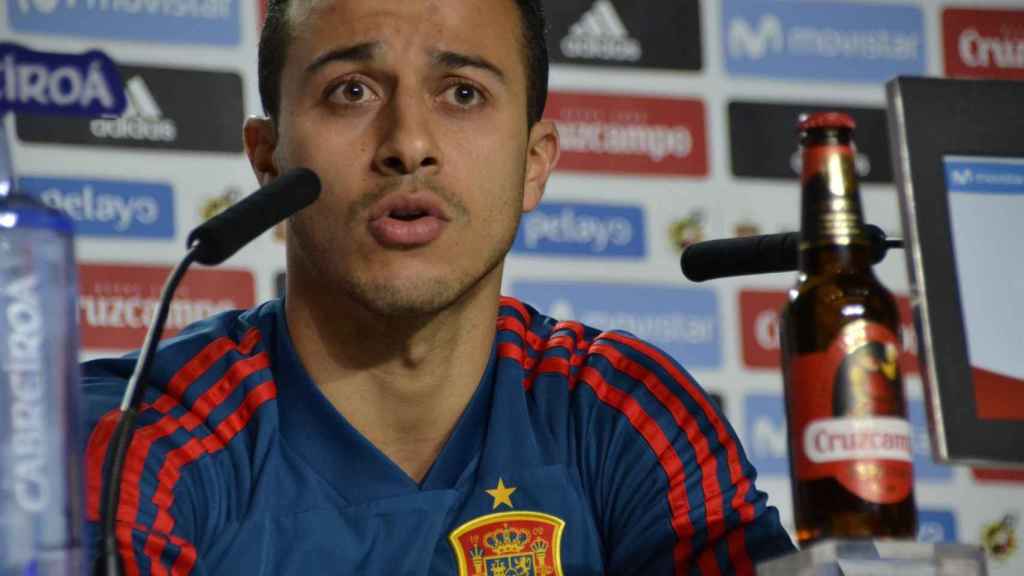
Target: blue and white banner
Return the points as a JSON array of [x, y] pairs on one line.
[[984, 175], [684, 322], [582, 230], [765, 434], [847, 41], [165, 21], [108, 208]]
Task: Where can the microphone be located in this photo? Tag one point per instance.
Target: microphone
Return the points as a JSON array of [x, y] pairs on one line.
[[210, 244], [761, 254], [224, 234]]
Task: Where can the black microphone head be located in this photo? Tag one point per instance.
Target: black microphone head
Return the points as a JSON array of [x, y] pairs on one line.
[[226, 233]]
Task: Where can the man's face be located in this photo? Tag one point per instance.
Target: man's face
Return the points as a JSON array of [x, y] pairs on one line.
[[413, 113]]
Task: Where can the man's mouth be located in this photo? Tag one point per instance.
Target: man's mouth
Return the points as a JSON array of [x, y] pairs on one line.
[[408, 220], [407, 215]]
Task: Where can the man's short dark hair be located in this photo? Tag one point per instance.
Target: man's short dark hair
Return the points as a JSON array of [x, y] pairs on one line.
[[276, 36]]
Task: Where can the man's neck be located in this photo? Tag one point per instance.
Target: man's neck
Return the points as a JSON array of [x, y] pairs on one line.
[[403, 383]]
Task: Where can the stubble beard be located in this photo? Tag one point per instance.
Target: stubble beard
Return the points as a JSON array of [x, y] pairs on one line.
[[340, 283]]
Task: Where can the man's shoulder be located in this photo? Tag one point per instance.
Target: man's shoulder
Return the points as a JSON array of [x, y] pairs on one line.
[[186, 364], [228, 330], [549, 344]]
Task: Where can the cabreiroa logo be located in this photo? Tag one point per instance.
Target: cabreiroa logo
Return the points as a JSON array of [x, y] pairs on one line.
[[759, 316], [116, 301], [630, 134], [983, 43]]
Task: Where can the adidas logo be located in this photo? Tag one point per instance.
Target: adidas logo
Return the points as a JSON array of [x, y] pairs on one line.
[[600, 34], [142, 119]]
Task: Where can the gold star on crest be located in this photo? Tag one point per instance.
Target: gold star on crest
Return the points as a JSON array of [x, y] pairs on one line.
[[501, 494]]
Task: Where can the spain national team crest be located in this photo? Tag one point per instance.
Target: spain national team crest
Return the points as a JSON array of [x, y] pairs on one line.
[[509, 544]]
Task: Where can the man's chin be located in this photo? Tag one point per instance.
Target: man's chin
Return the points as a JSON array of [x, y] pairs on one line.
[[409, 301]]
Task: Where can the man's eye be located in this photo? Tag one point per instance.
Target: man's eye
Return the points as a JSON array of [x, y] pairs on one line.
[[352, 92], [464, 95]]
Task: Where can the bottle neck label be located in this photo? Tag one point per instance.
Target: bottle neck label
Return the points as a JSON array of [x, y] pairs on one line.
[[831, 200], [848, 414]]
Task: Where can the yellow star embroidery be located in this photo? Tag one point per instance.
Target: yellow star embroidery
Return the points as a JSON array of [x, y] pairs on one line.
[[501, 494]]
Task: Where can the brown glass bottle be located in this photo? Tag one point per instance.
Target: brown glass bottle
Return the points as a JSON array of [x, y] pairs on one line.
[[849, 438]]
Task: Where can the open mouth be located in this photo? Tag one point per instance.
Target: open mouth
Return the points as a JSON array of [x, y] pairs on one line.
[[407, 215]]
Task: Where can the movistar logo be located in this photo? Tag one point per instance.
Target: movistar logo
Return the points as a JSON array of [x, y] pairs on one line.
[[600, 34], [756, 42]]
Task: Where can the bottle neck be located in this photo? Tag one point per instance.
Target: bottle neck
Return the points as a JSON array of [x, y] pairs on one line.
[[832, 234]]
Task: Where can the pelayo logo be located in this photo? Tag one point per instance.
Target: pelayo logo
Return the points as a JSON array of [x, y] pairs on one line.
[[575, 229], [107, 208], [51, 83], [823, 40]]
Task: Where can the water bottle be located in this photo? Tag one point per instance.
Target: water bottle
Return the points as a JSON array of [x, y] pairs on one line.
[[41, 444]]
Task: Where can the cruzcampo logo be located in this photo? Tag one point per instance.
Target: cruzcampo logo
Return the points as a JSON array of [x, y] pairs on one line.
[[86, 84]]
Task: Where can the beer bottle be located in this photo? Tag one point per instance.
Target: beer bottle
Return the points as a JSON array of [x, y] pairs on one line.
[[849, 438]]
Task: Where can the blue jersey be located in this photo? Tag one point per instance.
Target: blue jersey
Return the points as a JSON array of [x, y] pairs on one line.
[[581, 452]]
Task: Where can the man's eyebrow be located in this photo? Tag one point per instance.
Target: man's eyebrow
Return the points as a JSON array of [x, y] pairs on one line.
[[454, 61], [357, 53]]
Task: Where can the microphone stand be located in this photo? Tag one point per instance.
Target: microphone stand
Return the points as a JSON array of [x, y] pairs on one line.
[[108, 562]]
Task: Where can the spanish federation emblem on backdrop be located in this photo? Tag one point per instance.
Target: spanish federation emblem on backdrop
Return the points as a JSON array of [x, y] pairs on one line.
[[509, 544]]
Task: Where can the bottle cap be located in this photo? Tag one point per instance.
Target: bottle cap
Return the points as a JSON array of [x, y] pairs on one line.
[[826, 120]]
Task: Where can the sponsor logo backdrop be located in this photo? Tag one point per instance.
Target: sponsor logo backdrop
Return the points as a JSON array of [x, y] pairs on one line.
[[677, 122]]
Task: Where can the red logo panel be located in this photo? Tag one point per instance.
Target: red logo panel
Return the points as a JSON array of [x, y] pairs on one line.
[[759, 318], [759, 315], [983, 43], [628, 134], [116, 301]]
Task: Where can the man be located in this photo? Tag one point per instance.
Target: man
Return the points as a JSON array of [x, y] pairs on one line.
[[394, 414]]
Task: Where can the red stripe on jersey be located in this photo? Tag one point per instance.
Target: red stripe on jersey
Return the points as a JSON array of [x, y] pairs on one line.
[[518, 306], [662, 449], [99, 439], [123, 535], [745, 509], [154, 547], [736, 542], [574, 327], [714, 505], [185, 561], [724, 438], [176, 459], [95, 455], [146, 436], [519, 329]]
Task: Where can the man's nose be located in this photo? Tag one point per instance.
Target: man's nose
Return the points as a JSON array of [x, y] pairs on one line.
[[408, 142]]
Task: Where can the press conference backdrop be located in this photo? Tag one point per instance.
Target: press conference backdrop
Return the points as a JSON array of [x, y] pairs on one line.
[[677, 124]]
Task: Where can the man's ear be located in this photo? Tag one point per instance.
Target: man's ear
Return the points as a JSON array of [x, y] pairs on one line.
[[541, 157], [260, 135]]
